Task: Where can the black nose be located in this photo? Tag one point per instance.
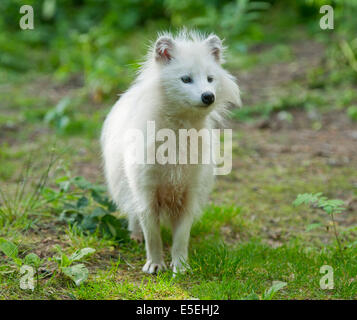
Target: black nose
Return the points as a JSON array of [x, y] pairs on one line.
[[207, 98]]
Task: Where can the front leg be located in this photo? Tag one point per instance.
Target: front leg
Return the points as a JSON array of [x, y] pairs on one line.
[[150, 224], [181, 227]]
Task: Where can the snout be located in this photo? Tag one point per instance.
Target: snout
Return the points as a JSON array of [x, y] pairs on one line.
[[207, 98]]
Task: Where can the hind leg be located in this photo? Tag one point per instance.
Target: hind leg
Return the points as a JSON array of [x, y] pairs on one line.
[[135, 228]]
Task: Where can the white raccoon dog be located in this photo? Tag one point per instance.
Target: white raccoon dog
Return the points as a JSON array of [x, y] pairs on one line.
[[180, 86]]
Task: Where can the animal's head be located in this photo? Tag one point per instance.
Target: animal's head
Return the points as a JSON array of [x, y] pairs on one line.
[[191, 74]]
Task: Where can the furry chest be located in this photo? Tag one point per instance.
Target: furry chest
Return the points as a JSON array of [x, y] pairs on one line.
[[172, 199], [171, 193]]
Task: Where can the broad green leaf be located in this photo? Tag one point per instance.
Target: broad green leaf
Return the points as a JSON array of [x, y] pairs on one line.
[[98, 212], [82, 202], [8, 248], [62, 105], [32, 259], [64, 183], [114, 227], [110, 205], [65, 261], [78, 273], [50, 116], [89, 223], [82, 183], [79, 254], [71, 216], [277, 285], [64, 122]]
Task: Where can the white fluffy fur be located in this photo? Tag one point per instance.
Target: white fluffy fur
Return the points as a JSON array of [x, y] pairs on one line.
[[149, 193]]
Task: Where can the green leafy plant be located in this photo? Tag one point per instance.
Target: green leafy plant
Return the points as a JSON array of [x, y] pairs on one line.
[[330, 206], [88, 209], [59, 115], [271, 292], [349, 53], [11, 251], [268, 293], [77, 272]]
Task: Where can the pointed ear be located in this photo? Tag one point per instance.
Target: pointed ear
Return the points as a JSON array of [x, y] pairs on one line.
[[163, 49], [215, 45]]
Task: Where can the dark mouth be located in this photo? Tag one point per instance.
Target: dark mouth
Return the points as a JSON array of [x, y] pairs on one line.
[[204, 106]]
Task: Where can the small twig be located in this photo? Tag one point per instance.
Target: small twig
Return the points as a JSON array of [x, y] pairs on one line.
[[336, 233]]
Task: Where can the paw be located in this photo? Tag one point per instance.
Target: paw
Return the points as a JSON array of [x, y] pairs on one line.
[[154, 268], [178, 267], [138, 237]]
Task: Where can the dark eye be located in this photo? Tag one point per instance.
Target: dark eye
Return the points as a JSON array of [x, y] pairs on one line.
[[186, 79], [209, 79]]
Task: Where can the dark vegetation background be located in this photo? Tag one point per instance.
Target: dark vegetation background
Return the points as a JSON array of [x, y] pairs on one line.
[[296, 134], [100, 42]]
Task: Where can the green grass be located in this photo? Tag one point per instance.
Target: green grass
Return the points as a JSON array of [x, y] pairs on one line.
[[218, 270], [250, 234]]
